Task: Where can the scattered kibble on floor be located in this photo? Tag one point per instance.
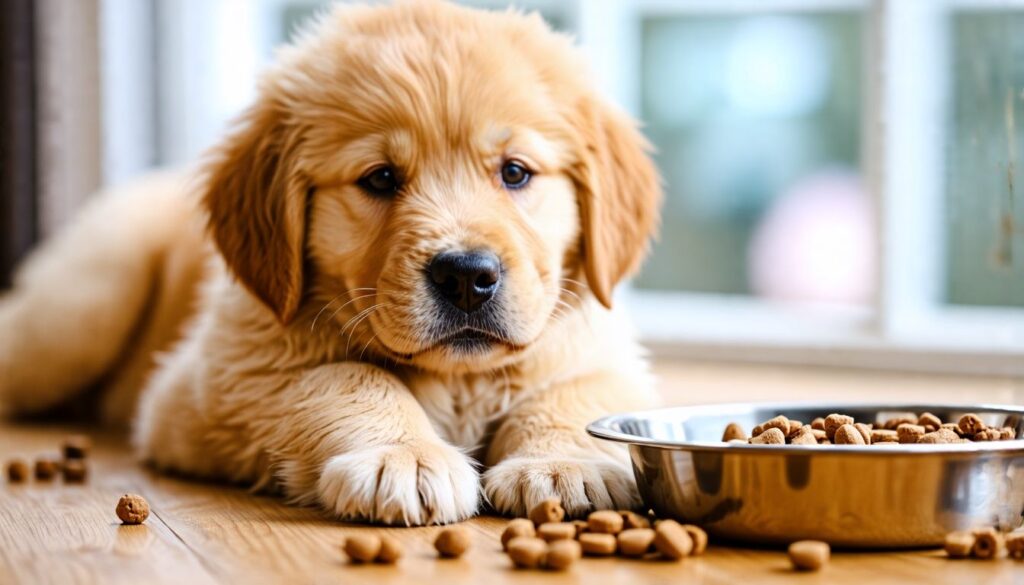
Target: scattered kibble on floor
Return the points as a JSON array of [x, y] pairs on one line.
[[46, 468], [17, 471], [986, 543], [362, 548], [77, 446], [550, 510], [809, 555], [75, 471], [390, 550], [453, 542], [132, 509]]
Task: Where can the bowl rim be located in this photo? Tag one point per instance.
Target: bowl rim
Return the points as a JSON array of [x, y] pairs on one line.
[[607, 428]]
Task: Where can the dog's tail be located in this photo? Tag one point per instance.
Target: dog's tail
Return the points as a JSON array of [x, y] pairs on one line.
[[79, 300]]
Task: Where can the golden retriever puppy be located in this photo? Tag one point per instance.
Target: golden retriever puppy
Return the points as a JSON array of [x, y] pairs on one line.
[[413, 238]]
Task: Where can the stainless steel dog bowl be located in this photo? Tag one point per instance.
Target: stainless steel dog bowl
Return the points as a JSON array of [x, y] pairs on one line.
[[850, 496]]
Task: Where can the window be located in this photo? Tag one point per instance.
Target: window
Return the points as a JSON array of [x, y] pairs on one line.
[[842, 176]]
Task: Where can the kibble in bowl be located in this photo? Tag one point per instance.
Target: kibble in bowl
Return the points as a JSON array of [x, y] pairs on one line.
[[852, 479]]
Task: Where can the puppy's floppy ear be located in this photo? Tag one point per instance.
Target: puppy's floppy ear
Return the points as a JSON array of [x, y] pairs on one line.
[[619, 194], [256, 201]]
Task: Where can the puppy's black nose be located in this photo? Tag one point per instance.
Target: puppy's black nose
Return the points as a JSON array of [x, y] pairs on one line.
[[465, 279]]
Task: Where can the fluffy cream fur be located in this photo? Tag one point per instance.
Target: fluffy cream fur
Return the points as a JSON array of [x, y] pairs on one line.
[[296, 351]]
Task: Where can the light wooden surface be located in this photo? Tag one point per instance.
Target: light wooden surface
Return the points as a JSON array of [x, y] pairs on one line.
[[200, 533]]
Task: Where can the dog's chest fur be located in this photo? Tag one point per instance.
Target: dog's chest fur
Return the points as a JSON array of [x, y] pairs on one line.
[[465, 409]]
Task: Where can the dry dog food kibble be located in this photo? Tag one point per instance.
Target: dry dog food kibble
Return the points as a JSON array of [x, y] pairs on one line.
[[672, 540], [954, 427], [550, 510], [1015, 545], [988, 544], [390, 551], [928, 419], [865, 432], [362, 548], [780, 422], [959, 544], [631, 519], [605, 521], [988, 435], [635, 542], [940, 436], [46, 468], [598, 544], [699, 538], [452, 542], [894, 421], [552, 531], [833, 422], [848, 435], [557, 545], [896, 428], [517, 527], [805, 436], [75, 471], [132, 509], [561, 554], [734, 431], [970, 424], [884, 436], [772, 436], [17, 471], [527, 552], [908, 433], [76, 446], [809, 555]]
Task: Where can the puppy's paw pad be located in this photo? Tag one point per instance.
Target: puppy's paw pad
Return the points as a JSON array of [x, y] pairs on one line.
[[411, 484], [514, 486]]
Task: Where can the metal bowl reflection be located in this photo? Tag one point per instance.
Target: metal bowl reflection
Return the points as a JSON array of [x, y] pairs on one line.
[[850, 496]]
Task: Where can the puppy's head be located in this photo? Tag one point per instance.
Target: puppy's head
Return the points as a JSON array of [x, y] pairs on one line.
[[435, 181]]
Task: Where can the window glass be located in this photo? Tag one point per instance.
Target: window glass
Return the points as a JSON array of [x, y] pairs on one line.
[[984, 207], [757, 124]]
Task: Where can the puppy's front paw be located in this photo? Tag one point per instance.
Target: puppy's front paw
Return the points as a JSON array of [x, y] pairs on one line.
[[429, 483], [515, 485]]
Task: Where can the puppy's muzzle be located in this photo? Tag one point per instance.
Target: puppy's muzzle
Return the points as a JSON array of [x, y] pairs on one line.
[[466, 280]]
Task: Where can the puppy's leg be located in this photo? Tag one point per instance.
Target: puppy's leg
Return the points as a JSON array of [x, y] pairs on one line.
[[541, 450], [349, 436]]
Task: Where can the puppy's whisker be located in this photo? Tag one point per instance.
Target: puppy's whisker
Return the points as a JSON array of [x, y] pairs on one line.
[[358, 316], [359, 298], [368, 312], [366, 346], [312, 327], [321, 311], [572, 294]]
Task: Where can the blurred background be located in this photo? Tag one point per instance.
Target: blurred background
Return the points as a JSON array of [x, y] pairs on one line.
[[841, 175]]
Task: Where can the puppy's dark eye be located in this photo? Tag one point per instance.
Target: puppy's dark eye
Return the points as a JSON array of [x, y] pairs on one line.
[[380, 182], [514, 175]]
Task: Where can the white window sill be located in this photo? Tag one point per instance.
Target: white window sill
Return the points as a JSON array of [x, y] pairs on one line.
[[954, 340]]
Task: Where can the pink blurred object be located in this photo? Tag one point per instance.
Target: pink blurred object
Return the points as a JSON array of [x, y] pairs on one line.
[[816, 243]]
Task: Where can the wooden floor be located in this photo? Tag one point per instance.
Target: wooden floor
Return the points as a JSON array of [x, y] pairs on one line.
[[199, 533]]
